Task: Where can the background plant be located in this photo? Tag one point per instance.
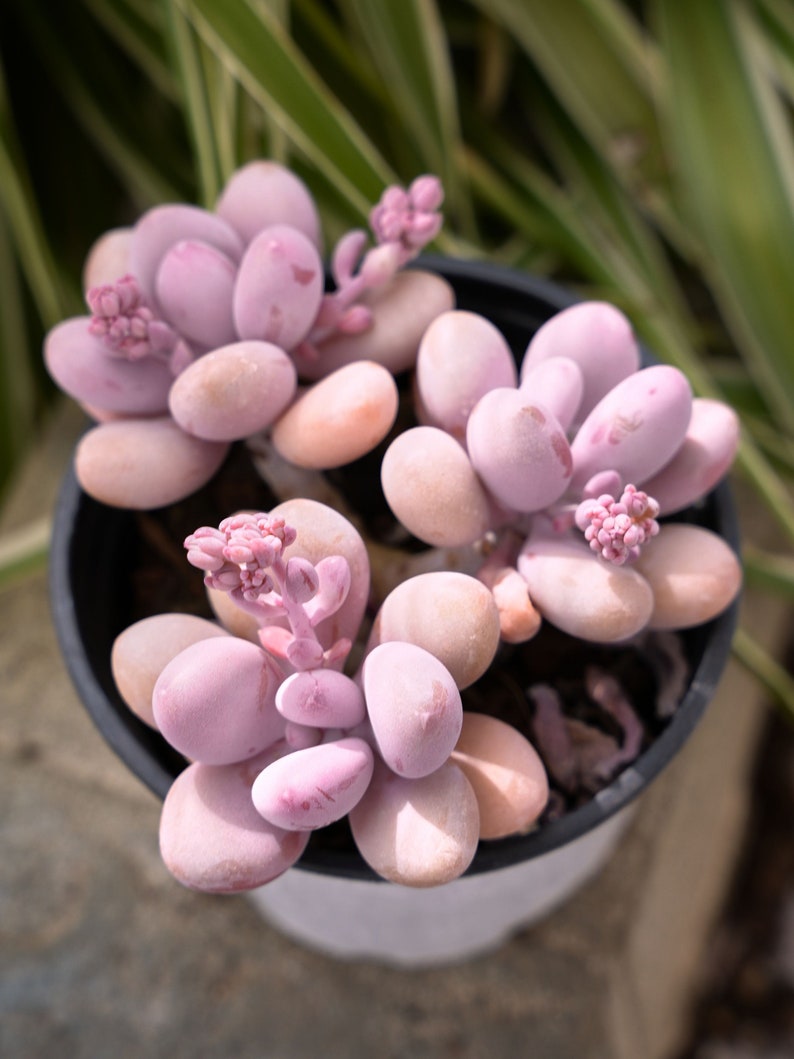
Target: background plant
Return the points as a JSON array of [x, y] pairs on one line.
[[640, 151]]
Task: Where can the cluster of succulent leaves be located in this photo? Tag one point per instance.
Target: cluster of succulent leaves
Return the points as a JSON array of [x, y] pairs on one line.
[[620, 172], [523, 478]]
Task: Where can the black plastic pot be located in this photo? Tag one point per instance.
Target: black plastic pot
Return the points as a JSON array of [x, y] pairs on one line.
[[94, 549]]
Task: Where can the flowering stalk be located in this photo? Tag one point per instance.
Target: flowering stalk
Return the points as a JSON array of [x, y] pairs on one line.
[[403, 223], [244, 558], [128, 326]]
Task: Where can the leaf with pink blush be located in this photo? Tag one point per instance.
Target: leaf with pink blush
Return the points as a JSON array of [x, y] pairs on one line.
[[693, 574], [143, 649], [519, 450], [194, 285], [462, 356], [314, 787], [215, 701], [401, 312], [339, 419], [213, 839], [83, 367], [432, 488], [108, 258], [582, 595], [322, 698], [233, 392], [636, 428], [162, 227], [263, 193], [558, 384], [449, 614], [596, 335], [319, 529], [279, 287], [704, 457], [413, 705], [506, 773], [417, 832], [333, 575], [144, 463]]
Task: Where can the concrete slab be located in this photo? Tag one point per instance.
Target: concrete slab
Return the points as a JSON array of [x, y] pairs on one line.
[[102, 953]]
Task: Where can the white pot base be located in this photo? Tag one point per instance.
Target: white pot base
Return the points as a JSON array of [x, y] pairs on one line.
[[354, 919]]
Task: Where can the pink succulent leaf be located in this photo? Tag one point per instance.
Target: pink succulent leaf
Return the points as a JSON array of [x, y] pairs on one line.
[[346, 255], [616, 529], [304, 653], [305, 353], [329, 313], [181, 357], [380, 265], [603, 482], [302, 580], [336, 654], [356, 320], [300, 736], [334, 579], [275, 639]]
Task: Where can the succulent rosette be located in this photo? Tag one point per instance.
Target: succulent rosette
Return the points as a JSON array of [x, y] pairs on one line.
[[282, 742], [201, 322], [558, 474]]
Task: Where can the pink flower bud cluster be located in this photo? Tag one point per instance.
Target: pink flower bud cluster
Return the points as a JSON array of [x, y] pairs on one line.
[[616, 529], [409, 217], [290, 741], [403, 223], [121, 317], [239, 554]]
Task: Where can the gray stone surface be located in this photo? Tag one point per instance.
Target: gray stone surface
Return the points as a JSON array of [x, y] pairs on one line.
[[102, 953]]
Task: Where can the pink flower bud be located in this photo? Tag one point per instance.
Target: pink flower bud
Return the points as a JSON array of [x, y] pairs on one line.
[[426, 193], [616, 529]]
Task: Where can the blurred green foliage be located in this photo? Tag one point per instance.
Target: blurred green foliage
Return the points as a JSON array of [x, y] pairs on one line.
[[640, 151]]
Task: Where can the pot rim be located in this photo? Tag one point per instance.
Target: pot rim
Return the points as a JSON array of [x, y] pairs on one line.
[[147, 755]]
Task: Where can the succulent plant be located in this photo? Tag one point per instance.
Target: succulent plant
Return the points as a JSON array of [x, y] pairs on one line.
[[201, 321], [525, 492]]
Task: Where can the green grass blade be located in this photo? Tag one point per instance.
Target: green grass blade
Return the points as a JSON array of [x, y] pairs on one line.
[[139, 30], [769, 672], [24, 552], [19, 205], [195, 104], [735, 160], [17, 381], [776, 19], [600, 67], [262, 56], [529, 202], [770, 573], [407, 44], [99, 97]]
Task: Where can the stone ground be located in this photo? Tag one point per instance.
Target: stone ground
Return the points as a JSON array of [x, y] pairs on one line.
[[102, 953], [746, 1007]]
